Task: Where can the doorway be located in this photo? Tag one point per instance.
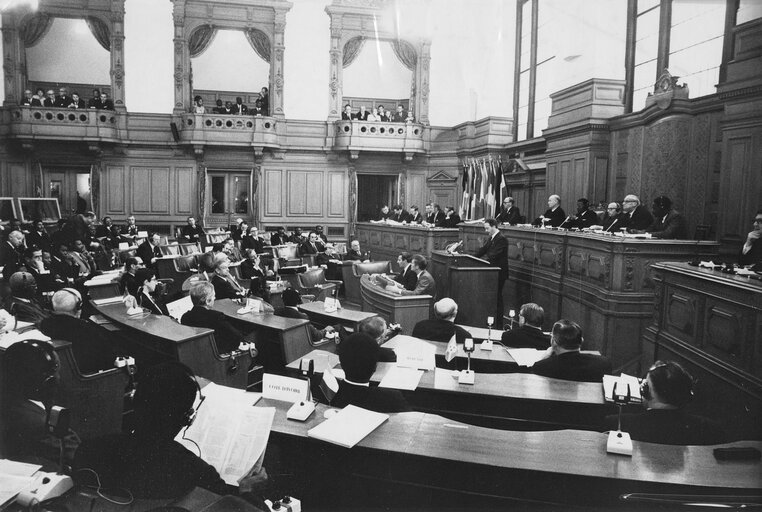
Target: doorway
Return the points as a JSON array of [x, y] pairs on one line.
[[71, 187], [373, 192]]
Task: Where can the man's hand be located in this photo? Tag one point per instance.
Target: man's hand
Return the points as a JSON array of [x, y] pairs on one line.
[[753, 236], [253, 482]]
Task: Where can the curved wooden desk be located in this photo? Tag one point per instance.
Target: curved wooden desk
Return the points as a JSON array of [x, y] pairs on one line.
[[406, 310], [159, 338]]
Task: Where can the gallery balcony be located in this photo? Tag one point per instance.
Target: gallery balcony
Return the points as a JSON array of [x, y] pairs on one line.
[[202, 130], [29, 124], [379, 137]]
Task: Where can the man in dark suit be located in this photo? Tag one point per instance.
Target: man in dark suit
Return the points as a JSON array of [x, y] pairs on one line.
[[451, 219], [23, 302], [226, 337], [192, 232], [385, 214], [104, 103], [92, 344], [239, 108], [95, 100], [495, 250], [425, 284], [399, 214], [127, 282], [63, 100], [443, 326], [612, 220], [358, 355], [376, 328], [666, 391], [668, 223], [11, 253], [314, 246], [279, 237], [109, 232], [554, 216], [634, 216], [564, 359], [529, 332], [38, 236], [50, 99], [407, 276], [290, 309], [434, 214], [355, 253], [751, 252], [76, 101], [225, 284], [414, 216], [509, 214], [346, 114], [149, 250], [148, 296], [63, 271], [130, 230], [584, 218]]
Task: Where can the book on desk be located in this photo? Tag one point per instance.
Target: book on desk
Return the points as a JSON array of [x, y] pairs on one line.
[[349, 426]]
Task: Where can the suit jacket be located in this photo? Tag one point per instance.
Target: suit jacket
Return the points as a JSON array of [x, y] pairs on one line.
[[151, 303], [146, 251], [496, 252], [80, 103], [436, 329], [226, 336], [225, 289], [47, 102], [673, 225], [754, 255], [452, 221], [669, 426], [407, 278], [92, 344], [86, 265], [509, 216], [27, 310], [436, 218], [286, 312], [192, 234], [414, 219], [9, 255], [585, 220], [613, 223], [526, 336], [37, 239], [424, 286], [399, 117], [361, 116], [63, 270], [556, 217], [62, 101], [240, 109], [249, 242], [574, 366], [373, 398], [26, 436], [640, 218], [278, 239], [128, 283], [402, 216]]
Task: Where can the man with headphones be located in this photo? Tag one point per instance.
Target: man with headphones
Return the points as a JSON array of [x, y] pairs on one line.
[[29, 385], [611, 220], [667, 389], [23, 302], [92, 345], [148, 461], [565, 360]]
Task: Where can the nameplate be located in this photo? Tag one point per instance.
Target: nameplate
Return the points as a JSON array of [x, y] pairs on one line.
[[418, 354], [286, 389]]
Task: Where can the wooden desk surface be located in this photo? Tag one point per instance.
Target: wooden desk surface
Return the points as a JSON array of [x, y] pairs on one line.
[[498, 352], [566, 452], [342, 315], [230, 308], [155, 325]]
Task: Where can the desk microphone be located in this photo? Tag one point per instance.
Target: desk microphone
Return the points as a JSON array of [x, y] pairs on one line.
[[611, 225], [467, 376], [620, 442]]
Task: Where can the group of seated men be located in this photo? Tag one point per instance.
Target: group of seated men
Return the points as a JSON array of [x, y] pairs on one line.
[[99, 101], [433, 216], [378, 113], [239, 108]]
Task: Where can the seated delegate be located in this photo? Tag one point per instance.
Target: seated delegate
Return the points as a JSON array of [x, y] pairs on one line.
[[565, 360]]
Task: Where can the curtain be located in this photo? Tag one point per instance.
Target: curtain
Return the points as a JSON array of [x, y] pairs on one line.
[[260, 42], [201, 180], [406, 53], [95, 187], [352, 50], [100, 31], [200, 39], [34, 28]]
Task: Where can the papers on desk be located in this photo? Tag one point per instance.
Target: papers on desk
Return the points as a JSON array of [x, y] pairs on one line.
[[416, 354], [401, 378], [9, 338], [108, 300], [480, 333], [177, 308], [14, 478], [348, 427], [231, 434], [623, 382], [526, 356]]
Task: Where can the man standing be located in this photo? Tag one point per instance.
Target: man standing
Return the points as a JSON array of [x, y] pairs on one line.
[[495, 250], [751, 252], [634, 215], [554, 216], [509, 214]]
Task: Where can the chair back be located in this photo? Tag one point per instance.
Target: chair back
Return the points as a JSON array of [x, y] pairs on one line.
[[373, 267], [169, 250], [190, 248], [286, 252], [311, 278], [185, 263], [126, 254], [352, 273]]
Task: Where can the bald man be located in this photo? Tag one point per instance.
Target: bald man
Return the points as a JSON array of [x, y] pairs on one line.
[[554, 215], [442, 327], [634, 215], [92, 346]]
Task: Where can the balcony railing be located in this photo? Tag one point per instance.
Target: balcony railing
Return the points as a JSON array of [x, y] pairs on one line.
[[30, 123], [229, 130], [379, 136]]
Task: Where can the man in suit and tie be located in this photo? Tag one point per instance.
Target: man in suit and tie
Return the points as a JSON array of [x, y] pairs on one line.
[[529, 332], [668, 222], [451, 219], [399, 214], [226, 336], [751, 252], [11, 253], [509, 214], [564, 359], [50, 99], [434, 214], [149, 250], [407, 277], [442, 327], [634, 215], [415, 216], [495, 250], [239, 108], [554, 216], [192, 232], [425, 284], [63, 100], [225, 284], [315, 246]]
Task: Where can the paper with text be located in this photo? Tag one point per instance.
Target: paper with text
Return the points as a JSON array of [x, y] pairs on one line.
[[401, 378]]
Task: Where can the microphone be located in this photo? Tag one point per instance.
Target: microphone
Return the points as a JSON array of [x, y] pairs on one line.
[[565, 221], [611, 225]]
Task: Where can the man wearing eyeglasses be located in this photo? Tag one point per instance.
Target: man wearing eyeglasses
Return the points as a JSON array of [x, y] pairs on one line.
[[50, 99], [509, 214], [634, 215], [751, 252], [63, 99]]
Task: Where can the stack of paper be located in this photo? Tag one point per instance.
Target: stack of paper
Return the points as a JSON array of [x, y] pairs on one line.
[[349, 426], [401, 378], [526, 356]]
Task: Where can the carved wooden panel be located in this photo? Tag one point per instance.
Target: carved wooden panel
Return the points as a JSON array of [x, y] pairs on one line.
[[273, 194], [115, 190], [681, 313], [417, 192], [160, 199], [735, 177], [140, 186], [18, 179], [724, 332], [305, 193], [314, 193], [337, 195], [185, 190]]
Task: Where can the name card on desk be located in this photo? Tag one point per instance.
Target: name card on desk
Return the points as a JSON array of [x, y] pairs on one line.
[[416, 354], [286, 389]]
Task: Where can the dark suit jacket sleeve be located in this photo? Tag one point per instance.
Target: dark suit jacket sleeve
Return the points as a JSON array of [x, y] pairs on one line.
[[145, 253], [673, 227]]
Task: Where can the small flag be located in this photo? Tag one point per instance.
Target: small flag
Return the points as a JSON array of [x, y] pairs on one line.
[[452, 349]]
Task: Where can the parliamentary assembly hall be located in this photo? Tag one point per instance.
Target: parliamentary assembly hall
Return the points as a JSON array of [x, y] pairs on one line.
[[380, 255]]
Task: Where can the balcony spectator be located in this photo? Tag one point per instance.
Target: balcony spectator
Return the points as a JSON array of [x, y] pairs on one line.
[[410, 118], [50, 99], [264, 96], [227, 109], [198, 106], [105, 103], [63, 99], [76, 101], [400, 116], [362, 114], [415, 216], [240, 109], [29, 100], [39, 96], [218, 108], [383, 115], [373, 115], [257, 109], [347, 114], [93, 102]]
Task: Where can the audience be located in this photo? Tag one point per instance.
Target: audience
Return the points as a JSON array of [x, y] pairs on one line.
[[252, 240], [529, 332], [94, 101], [314, 246], [149, 250], [63, 100], [383, 115], [226, 336], [354, 253], [264, 97], [400, 116], [359, 355], [225, 284], [564, 360], [667, 389], [239, 108], [442, 327], [279, 237], [198, 105], [50, 99], [191, 232], [23, 302], [347, 115], [376, 328], [104, 103], [76, 101], [130, 231]]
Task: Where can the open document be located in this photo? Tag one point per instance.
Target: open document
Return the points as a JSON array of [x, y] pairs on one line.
[[230, 433]]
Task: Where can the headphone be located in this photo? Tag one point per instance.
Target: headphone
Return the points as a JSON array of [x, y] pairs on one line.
[[672, 382], [190, 415], [76, 295]]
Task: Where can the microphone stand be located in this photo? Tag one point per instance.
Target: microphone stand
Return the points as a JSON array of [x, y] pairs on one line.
[[620, 442]]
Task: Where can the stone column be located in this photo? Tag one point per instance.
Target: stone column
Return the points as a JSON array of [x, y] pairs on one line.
[[117, 55], [276, 66], [13, 60], [182, 60], [336, 69]]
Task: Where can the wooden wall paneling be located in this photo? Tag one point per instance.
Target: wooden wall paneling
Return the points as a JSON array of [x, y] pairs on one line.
[[273, 193], [314, 193], [160, 199], [736, 176], [600, 179], [19, 183], [297, 192], [416, 190], [559, 186], [577, 184], [185, 190], [337, 195], [140, 187], [114, 191]]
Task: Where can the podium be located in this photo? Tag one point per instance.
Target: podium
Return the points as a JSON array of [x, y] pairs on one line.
[[406, 310], [469, 281]]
